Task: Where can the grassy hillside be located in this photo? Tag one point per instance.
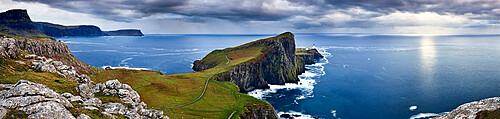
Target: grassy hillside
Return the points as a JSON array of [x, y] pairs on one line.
[[157, 91], [220, 100]]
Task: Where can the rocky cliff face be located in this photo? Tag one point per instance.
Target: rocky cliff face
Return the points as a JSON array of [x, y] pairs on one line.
[[17, 22], [277, 64], [259, 112], [56, 30], [309, 55], [470, 110], [20, 47], [13, 46], [125, 32]]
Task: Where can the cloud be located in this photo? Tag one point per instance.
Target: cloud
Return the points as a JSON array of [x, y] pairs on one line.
[[296, 14]]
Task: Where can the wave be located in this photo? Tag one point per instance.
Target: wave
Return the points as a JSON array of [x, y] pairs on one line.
[[124, 62], [176, 50], [425, 115], [128, 68], [296, 115]]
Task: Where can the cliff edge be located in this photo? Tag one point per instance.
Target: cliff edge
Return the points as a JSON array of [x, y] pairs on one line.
[[276, 64], [16, 22]]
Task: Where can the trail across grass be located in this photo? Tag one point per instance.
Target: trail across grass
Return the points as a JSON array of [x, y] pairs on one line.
[[204, 88]]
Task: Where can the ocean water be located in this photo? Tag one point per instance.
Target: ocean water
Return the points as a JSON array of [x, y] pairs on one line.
[[363, 76]]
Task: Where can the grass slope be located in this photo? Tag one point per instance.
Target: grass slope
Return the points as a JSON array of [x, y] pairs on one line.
[[220, 100]]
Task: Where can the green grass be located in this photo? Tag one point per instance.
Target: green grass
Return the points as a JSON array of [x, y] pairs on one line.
[[488, 114], [53, 81], [220, 100]]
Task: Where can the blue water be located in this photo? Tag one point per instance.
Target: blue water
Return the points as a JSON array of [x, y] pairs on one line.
[[364, 76]]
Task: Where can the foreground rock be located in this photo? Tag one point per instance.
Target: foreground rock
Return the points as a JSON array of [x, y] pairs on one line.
[[37, 100], [469, 110]]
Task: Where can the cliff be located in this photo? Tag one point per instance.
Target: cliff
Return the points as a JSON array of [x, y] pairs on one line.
[[16, 22], [308, 54], [277, 64], [125, 32], [56, 30], [475, 110]]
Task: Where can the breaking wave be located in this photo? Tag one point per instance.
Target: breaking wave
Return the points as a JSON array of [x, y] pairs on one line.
[[305, 84]]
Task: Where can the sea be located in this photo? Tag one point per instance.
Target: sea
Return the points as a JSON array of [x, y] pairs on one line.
[[363, 76]]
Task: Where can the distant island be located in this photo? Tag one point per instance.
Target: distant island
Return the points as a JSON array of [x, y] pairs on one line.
[[17, 22]]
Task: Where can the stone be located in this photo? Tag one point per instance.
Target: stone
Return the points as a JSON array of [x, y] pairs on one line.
[[75, 99], [3, 112], [67, 95], [48, 109], [85, 91], [96, 102], [83, 116], [114, 108], [90, 108]]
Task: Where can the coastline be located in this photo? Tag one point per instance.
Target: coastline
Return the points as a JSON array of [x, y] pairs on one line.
[[306, 84]]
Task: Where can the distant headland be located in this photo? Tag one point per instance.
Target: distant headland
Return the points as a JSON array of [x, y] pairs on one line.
[[16, 22]]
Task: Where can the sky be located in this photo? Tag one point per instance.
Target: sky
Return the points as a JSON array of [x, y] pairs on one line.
[[271, 16]]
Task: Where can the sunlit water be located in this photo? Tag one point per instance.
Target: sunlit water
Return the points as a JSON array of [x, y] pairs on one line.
[[363, 76]]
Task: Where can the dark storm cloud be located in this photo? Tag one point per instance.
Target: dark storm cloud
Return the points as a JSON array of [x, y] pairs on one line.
[[124, 10], [277, 10]]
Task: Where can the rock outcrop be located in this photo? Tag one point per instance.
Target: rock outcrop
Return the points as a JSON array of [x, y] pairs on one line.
[[470, 110], [259, 112], [277, 64], [37, 100], [125, 32], [309, 55], [13, 46]]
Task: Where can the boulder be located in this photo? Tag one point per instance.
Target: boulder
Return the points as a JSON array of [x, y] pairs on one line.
[[83, 116], [36, 100]]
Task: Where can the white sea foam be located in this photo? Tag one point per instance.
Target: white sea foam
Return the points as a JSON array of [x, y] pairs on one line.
[[305, 84], [423, 115], [296, 115], [413, 108], [128, 68], [124, 62], [334, 113]]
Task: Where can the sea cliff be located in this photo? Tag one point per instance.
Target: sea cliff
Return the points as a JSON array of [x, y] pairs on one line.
[[16, 22], [278, 63]]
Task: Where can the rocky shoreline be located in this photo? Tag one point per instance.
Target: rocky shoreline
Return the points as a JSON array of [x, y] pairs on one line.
[[278, 64], [471, 110]]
